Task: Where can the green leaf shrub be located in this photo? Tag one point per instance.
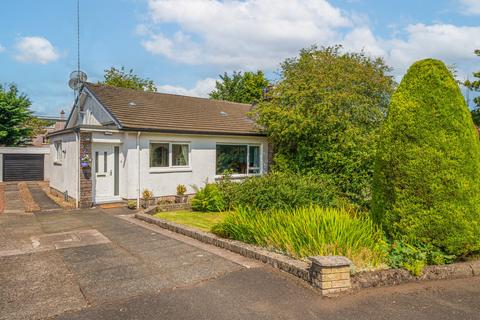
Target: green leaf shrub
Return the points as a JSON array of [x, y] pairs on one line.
[[324, 116], [309, 231], [427, 175], [280, 190], [208, 198]]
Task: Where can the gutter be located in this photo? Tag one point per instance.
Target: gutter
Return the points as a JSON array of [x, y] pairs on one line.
[[138, 168], [199, 132]]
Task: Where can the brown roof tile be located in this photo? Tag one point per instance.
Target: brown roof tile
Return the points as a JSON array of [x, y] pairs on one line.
[[173, 113]]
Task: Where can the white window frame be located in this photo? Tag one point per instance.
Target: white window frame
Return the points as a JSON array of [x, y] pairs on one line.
[[248, 145], [170, 167], [58, 147]]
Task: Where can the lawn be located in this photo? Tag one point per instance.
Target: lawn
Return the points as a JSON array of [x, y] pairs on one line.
[[200, 220]]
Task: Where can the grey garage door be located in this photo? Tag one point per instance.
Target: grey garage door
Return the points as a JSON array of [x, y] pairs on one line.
[[22, 167]]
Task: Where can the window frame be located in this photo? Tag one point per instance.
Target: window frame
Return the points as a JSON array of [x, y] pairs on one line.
[[58, 147], [248, 145], [170, 166]]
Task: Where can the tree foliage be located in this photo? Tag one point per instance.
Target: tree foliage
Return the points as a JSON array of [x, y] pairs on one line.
[[427, 173], [14, 117], [240, 87], [324, 116], [127, 79], [475, 86]]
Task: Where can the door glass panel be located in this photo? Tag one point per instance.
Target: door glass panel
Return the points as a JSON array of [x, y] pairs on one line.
[[96, 162], [105, 161]]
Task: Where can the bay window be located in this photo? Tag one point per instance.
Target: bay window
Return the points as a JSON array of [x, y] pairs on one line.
[[238, 159]]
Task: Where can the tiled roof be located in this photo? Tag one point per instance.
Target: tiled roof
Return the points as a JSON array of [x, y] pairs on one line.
[[139, 110]]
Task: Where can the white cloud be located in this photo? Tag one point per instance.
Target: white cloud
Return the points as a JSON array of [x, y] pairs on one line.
[[253, 34], [248, 34], [36, 50], [201, 89], [470, 7], [452, 44], [2, 48]]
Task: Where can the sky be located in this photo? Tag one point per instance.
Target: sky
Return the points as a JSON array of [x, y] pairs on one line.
[[183, 45]]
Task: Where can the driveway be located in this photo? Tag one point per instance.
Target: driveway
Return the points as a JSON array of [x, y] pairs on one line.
[[103, 264]]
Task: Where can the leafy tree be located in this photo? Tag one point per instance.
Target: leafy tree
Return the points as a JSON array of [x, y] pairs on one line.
[[240, 87], [14, 117], [475, 86], [324, 116], [123, 79], [427, 175]]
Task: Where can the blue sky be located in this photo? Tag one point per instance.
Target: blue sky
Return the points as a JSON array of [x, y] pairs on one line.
[[183, 45]]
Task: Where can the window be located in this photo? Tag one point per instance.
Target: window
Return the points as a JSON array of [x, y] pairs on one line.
[[58, 151], [179, 155], [167, 155], [238, 159], [254, 159], [159, 155]]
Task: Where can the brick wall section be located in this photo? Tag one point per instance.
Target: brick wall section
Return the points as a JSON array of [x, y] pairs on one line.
[[86, 199]]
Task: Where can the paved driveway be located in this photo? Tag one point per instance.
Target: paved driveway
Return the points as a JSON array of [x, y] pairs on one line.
[[99, 264]]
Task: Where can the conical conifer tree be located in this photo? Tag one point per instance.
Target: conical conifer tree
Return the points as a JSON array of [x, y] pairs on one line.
[[427, 172]]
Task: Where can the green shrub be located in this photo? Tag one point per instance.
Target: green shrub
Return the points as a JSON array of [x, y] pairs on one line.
[[280, 191], [415, 257], [181, 189], [208, 198], [427, 173], [307, 232], [131, 204]]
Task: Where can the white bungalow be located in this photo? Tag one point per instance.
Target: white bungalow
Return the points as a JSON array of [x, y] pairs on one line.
[[118, 142]]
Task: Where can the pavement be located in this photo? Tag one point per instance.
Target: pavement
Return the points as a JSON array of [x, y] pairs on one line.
[[104, 264]]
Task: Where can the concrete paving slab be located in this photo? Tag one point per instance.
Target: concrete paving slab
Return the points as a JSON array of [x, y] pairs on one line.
[[42, 200], [36, 286]]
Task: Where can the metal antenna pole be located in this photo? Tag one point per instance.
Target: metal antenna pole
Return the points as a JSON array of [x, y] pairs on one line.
[[78, 36]]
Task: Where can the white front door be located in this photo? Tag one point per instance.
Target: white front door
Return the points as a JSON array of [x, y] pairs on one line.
[[105, 168]]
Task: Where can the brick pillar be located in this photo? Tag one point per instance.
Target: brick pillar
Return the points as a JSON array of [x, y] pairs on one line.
[[86, 199], [330, 274]]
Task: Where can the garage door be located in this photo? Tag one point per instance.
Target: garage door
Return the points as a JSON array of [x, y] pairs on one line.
[[22, 167]]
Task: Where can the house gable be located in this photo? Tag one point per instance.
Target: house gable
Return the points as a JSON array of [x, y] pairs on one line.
[[89, 111]]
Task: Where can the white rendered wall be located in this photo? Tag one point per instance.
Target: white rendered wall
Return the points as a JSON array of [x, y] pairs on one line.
[[64, 174], [202, 162]]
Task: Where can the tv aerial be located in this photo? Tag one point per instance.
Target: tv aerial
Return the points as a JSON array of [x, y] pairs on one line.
[[77, 77]]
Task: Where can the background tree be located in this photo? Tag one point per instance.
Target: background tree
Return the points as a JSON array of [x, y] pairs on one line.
[[475, 86], [240, 87], [14, 117], [427, 173], [324, 116], [123, 79]]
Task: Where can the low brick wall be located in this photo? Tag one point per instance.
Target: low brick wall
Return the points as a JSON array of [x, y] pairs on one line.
[[173, 207]]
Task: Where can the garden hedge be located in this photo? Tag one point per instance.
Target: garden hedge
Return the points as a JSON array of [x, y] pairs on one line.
[[427, 173]]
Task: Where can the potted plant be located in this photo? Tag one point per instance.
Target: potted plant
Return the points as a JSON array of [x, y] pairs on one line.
[[85, 161], [147, 197], [181, 197]]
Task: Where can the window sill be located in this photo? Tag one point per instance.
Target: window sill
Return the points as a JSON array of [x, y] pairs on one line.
[[239, 176], [169, 169]]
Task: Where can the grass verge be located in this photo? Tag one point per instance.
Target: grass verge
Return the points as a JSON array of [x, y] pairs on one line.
[[199, 220], [309, 232]]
